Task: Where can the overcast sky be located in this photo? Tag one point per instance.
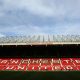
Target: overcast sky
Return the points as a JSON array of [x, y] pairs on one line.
[[39, 17]]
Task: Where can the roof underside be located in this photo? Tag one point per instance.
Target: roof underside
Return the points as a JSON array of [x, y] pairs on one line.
[[40, 40]]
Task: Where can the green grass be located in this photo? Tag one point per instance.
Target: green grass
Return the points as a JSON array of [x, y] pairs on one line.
[[40, 75]]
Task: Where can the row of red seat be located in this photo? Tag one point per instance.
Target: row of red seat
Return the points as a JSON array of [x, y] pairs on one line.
[[37, 64]]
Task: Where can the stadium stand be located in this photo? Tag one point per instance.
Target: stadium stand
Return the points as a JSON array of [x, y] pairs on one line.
[[47, 64], [40, 57]]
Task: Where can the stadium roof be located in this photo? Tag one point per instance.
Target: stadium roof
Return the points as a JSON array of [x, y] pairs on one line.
[[40, 40]]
